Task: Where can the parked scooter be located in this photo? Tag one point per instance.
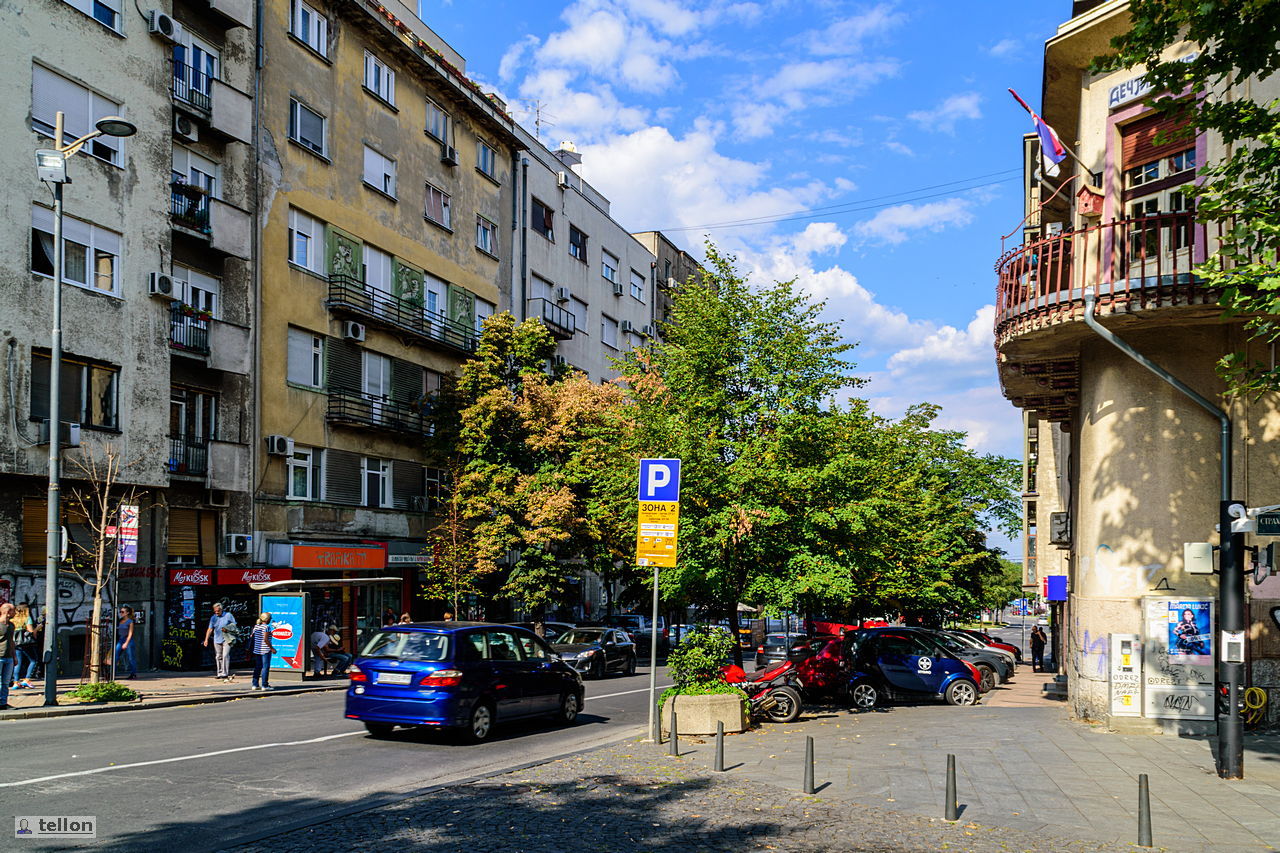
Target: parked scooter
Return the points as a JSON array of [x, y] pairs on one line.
[[774, 692]]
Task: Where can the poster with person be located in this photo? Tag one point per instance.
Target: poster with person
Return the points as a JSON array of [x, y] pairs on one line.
[[1190, 632]]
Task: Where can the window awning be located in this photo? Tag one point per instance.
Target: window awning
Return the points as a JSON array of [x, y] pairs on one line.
[[300, 583]]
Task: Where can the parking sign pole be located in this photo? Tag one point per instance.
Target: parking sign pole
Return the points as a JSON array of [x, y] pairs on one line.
[[657, 526], [653, 659]]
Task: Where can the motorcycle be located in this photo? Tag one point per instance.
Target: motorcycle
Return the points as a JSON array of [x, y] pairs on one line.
[[775, 693]]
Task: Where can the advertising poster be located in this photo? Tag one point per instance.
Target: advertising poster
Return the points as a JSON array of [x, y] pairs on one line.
[[127, 543], [1190, 633], [288, 629]]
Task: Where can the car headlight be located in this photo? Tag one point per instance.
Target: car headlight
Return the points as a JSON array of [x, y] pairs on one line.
[[588, 653]]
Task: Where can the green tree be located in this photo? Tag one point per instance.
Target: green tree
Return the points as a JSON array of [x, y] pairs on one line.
[[1235, 44], [454, 571]]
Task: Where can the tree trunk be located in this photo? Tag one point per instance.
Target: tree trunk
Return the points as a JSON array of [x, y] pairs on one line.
[[95, 638]]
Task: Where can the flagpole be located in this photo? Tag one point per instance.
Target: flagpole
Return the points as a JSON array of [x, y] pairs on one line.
[[1088, 171]]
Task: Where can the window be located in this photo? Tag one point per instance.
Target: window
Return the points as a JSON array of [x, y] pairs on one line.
[[579, 310], [192, 413], [577, 244], [502, 646], [379, 79], [103, 11], [90, 253], [305, 473], [609, 267], [1143, 174], [486, 235], [533, 649], [306, 358], [438, 210], [306, 126], [483, 309], [1183, 161], [52, 92], [379, 171], [309, 26], [88, 391], [201, 291], [377, 269], [609, 331], [375, 477], [435, 487], [637, 286], [195, 66], [544, 220], [434, 290], [304, 241], [437, 122], [486, 159], [190, 170]]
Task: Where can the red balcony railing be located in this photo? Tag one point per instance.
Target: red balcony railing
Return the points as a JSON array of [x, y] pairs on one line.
[[1147, 262]]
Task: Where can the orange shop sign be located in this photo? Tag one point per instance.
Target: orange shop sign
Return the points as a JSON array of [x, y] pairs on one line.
[[337, 557]]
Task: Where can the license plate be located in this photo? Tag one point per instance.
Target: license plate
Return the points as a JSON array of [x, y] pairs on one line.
[[394, 677]]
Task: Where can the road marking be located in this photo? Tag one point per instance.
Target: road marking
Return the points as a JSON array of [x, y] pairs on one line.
[[624, 693], [112, 767]]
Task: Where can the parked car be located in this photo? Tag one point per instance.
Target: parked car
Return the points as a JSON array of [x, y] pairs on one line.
[[466, 676], [895, 664], [777, 647], [993, 642], [992, 667], [597, 651], [821, 664], [550, 630], [974, 643], [637, 625], [676, 633]]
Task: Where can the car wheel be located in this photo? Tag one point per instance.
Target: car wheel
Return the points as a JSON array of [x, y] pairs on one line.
[[962, 691], [480, 723], [598, 669], [786, 706], [379, 730], [569, 707], [864, 696], [988, 677], [631, 665]]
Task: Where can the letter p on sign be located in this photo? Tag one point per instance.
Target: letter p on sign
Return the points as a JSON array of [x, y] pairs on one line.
[[660, 480]]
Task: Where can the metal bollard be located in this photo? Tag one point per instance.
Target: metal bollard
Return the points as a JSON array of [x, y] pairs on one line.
[[719, 747], [673, 744], [808, 764], [1144, 811], [951, 810]]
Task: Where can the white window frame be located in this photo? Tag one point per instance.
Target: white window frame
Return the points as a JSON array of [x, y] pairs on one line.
[[98, 244], [201, 290], [310, 231], [309, 346], [607, 325], [309, 460], [81, 108], [437, 126], [296, 108], [379, 272], [380, 468], [96, 8], [484, 309], [379, 171], [197, 54], [190, 168], [379, 79], [486, 158], [486, 235], [638, 282], [445, 219], [608, 267], [309, 26]]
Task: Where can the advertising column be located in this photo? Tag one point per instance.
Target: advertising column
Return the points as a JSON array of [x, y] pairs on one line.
[[1178, 664], [288, 632]]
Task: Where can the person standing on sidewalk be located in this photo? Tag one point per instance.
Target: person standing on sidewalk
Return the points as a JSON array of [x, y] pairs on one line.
[[124, 642], [221, 648], [26, 635], [7, 649], [262, 650], [1038, 641]]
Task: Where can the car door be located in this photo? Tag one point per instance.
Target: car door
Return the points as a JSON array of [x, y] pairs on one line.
[[626, 648], [609, 645], [902, 661], [508, 672], [543, 683]]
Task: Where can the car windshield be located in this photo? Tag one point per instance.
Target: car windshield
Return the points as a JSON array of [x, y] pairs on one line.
[[951, 643], [579, 636], [407, 645], [777, 639], [963, 639]]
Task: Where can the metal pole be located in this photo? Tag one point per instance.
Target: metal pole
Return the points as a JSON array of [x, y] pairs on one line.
[[1144, 811], [719, 746], [951, 810], [53, 530], [673, 740], [808, 764], [653, 659], [1231, 618]]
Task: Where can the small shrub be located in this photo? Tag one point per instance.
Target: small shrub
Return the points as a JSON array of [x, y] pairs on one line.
[[694, 665], [106, 691]]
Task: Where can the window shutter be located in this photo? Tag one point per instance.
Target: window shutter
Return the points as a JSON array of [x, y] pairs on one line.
[[51, 92], [345, 255], [299, 367], [1138, 140], [343, 366], [184, 533], [341, 477], [39, 386], [34, 531], [406, 483], [406, 381], [209, 538]]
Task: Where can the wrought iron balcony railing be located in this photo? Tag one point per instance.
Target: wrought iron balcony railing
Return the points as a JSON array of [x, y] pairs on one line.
[[188, 330], [349, 294], [189, 207], [192, 86], [188, 455], [354, 408], [559, 321]]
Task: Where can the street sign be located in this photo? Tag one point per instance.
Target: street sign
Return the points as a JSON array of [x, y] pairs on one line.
[[657, 532], [1268, 524], [660, 480]]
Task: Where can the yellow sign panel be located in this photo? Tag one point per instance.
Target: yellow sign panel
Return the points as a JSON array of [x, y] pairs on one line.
[[656, 533]]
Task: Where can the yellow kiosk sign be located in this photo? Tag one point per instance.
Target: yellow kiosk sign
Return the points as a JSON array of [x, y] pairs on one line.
[[659, 521]]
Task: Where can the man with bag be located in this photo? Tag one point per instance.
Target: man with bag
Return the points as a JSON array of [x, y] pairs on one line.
[[224, 633]]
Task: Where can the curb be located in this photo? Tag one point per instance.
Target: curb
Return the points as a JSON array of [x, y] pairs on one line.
[[108, 708]]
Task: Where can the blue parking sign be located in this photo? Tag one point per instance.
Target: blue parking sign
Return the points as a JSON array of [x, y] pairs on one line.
[[660, 480]]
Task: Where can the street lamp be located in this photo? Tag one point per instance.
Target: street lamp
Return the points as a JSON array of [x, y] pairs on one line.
[[51, 168]]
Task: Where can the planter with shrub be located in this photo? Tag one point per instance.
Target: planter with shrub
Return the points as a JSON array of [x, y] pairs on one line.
[[701, 697]]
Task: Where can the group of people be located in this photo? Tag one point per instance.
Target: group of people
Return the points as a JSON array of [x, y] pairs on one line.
[[224, 632]]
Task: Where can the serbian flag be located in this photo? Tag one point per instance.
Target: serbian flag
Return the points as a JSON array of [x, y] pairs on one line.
[[1050, 145]]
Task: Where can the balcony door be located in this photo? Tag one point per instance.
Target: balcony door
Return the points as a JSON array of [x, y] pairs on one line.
[[378, 279], [433, 304], [376, 383], [195, 67]]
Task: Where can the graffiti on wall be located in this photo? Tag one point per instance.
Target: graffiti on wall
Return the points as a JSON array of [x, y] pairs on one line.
[[1092, 654], [1101, 574], [75, 598]]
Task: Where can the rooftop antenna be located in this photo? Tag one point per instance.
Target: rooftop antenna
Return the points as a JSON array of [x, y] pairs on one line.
[[540, 116]]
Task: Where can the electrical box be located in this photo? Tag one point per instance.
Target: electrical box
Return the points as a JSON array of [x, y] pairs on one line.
[[1197, 558]]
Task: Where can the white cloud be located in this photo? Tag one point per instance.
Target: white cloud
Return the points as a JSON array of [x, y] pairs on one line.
[[1004, 48], [950, 352], [762, 104], [894, 224], [944, 116], [846, 36], [898, 148]]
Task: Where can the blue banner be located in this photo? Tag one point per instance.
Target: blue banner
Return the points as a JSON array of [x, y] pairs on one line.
[[288, 629]]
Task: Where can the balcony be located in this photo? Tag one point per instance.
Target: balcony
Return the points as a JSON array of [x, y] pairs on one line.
[[560, 322], [188, 456], [351, 408], [188, 329], [217, 105], [192, 87], [189, 207], [350, 296], [227, 228]]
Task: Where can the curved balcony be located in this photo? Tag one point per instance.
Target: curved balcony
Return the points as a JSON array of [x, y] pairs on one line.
[[1131, 264]]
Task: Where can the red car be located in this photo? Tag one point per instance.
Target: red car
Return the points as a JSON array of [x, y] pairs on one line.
[[992, 641]]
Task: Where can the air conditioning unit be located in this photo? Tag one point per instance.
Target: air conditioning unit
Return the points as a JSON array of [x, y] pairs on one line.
[[563, 294], [185, 127], [449, 155], [562, 180], [617, 288], [163, 285], [353, 331], [1053, 228], [671, 283], [559, 360], [68, 434], [217, 498], [627, 326], [160, 24], [279, 445], [419, 503], [647, 330], [237, 543]]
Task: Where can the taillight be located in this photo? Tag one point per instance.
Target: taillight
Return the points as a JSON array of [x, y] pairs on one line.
[[356, 675], [664, 633], [442, 678], [973, 671]]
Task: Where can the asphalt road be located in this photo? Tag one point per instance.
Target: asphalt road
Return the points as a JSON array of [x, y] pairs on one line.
[[206, 777]]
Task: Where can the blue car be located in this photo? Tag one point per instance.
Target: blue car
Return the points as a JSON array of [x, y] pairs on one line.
[[896, 664], [463, 676]]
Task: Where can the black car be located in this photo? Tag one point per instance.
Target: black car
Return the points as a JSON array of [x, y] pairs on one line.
[[550, 630], [597, 651], [777, 647]]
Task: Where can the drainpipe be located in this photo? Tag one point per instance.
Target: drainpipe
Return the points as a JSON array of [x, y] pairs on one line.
[[524, 240], [1231, 565]]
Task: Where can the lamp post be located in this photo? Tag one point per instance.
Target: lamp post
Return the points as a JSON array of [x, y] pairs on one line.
[[51, 167]]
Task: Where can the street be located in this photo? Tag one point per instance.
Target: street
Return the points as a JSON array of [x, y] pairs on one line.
[[206, 777]]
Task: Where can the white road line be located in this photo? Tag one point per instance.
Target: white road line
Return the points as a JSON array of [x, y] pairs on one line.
[[112, 767], [624, 693]]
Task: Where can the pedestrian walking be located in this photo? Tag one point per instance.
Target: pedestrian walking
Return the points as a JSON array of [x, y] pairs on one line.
[[7, 649], [1038, 641], [124, 642], [26, 637], [220, 625], [261, 650]]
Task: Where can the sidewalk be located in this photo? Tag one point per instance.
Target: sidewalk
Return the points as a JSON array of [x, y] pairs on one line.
[[159, 690]]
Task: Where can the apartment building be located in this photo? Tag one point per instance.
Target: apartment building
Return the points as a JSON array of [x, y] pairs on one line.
[[156, 290], [674, 266], [1123, 468], [386, 215]]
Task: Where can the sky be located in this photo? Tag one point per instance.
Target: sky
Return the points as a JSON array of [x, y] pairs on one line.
[[867, 149]]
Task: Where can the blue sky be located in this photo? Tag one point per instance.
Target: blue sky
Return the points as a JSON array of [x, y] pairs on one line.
[[875, 140]]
